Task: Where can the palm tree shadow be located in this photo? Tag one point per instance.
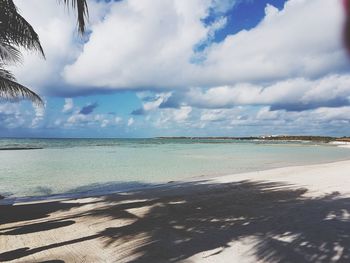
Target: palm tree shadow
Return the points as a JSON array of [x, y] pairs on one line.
[[38, 227], [286, 225]]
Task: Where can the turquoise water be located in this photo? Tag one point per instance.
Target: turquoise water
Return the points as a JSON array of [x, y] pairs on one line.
[[87, 166]]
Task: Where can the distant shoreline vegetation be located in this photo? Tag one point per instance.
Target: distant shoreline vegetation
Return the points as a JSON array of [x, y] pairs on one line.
[[325, 139]]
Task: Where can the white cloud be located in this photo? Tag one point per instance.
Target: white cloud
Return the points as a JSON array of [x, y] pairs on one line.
[[168, 116], [328, 114], [105, 123], [151, 102], [302, 40], [219, 114], [152, 105], [10, 116], [131, 121], [39, 115], [150, 44], [265, 114], [78, 119], [57, 30], [68, 105], [118, 120], [14, 116], [292, 60], [293, 94], [221, 6], [140, 43], [180, 115]]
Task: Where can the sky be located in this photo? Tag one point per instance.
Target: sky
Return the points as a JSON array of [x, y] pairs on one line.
[[149, 68]]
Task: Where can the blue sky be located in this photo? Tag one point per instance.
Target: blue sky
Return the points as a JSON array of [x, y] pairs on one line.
[[185, 68]]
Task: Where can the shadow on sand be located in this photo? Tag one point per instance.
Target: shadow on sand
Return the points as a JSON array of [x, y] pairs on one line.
[[186, 219]]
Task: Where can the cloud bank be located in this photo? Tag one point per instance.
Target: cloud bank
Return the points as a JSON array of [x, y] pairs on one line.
[[151, 44], [288, 71]]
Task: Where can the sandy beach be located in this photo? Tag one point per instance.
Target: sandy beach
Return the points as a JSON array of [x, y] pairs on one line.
[[292, 214], [168, 131]]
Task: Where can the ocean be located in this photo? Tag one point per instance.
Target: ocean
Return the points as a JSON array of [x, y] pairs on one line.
[[42, 168]]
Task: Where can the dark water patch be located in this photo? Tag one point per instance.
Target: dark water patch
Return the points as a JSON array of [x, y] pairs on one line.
[[19, 148]]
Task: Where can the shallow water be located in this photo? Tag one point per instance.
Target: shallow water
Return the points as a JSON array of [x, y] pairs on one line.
[[78, 166]]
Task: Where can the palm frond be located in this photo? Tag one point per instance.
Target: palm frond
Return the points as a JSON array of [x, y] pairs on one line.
[[6, 74], [11, 90], [82, 10], [15, 30], [9, 53]]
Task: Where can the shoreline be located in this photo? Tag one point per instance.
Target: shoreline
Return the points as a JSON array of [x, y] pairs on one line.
[[222, 219], [160, 185]]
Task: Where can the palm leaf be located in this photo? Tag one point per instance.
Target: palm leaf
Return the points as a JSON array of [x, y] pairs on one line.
[[11, 90], [82, 10], [15, 30], [9, 53]]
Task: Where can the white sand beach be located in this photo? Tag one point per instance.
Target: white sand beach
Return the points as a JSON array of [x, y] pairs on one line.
[[212, 131], [292, 214]]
